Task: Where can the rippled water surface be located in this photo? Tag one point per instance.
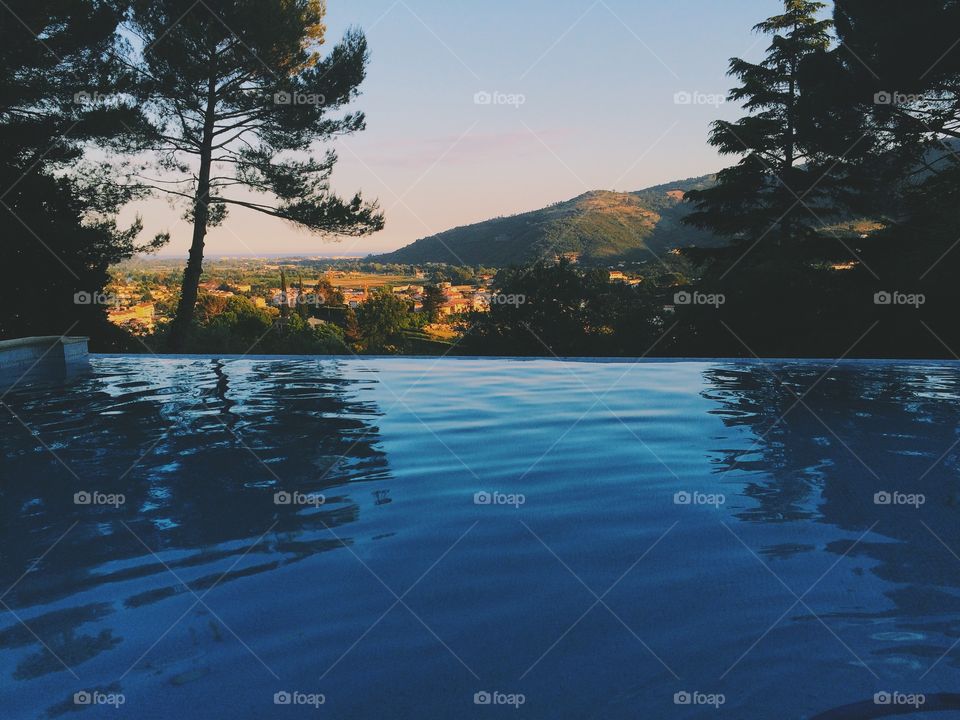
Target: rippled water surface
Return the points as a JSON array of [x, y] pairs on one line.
[[592, 539]]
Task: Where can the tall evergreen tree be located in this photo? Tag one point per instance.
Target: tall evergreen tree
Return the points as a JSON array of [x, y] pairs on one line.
[[780, 173], [433, 299], [240, 95], [302, 309], [284, 297], [327, 294]]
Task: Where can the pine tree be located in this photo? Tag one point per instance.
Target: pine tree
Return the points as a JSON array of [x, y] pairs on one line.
[[301, 300], [284, 298], [780, 176], [351, 330], [241, 96], [433, 299]]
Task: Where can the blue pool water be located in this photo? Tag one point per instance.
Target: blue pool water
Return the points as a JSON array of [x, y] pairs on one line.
[[563, 539]]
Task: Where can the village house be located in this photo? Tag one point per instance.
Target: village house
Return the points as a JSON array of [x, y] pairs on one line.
[[454, 307], [354, 298], [143, 314]]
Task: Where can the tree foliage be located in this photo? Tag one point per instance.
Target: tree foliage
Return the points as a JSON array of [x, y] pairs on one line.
[[382, 320], [556, 309], [59, 213]]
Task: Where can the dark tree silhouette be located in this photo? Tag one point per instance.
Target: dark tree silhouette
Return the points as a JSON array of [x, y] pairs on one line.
[[895, 78], [557, 309], [58, 215], [432, 300]]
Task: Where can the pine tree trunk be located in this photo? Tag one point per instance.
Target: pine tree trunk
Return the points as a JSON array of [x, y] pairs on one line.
[[786, 175], [180, 327]]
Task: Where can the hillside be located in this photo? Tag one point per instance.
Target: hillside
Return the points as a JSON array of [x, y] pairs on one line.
[[602, 226]]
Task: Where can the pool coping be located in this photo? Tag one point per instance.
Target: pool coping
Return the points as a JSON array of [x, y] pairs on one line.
[[41, 356]]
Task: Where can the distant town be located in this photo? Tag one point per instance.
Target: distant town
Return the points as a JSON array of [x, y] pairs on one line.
[[142, 295]]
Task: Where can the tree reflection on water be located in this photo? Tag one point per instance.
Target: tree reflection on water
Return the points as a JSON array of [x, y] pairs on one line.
[[824, 445], [198, 458]]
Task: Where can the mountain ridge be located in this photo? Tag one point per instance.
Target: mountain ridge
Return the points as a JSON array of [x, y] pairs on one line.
[[601, 226]]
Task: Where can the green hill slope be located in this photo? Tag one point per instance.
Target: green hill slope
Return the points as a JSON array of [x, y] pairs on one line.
[[601, 226]]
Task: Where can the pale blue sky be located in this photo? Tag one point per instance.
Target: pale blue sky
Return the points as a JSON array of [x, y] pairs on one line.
[[598, 81]]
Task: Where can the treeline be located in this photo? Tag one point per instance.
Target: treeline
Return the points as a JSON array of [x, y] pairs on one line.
[[385, 324]]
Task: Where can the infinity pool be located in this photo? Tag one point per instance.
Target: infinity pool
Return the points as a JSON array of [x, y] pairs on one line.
[[458, 538]]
